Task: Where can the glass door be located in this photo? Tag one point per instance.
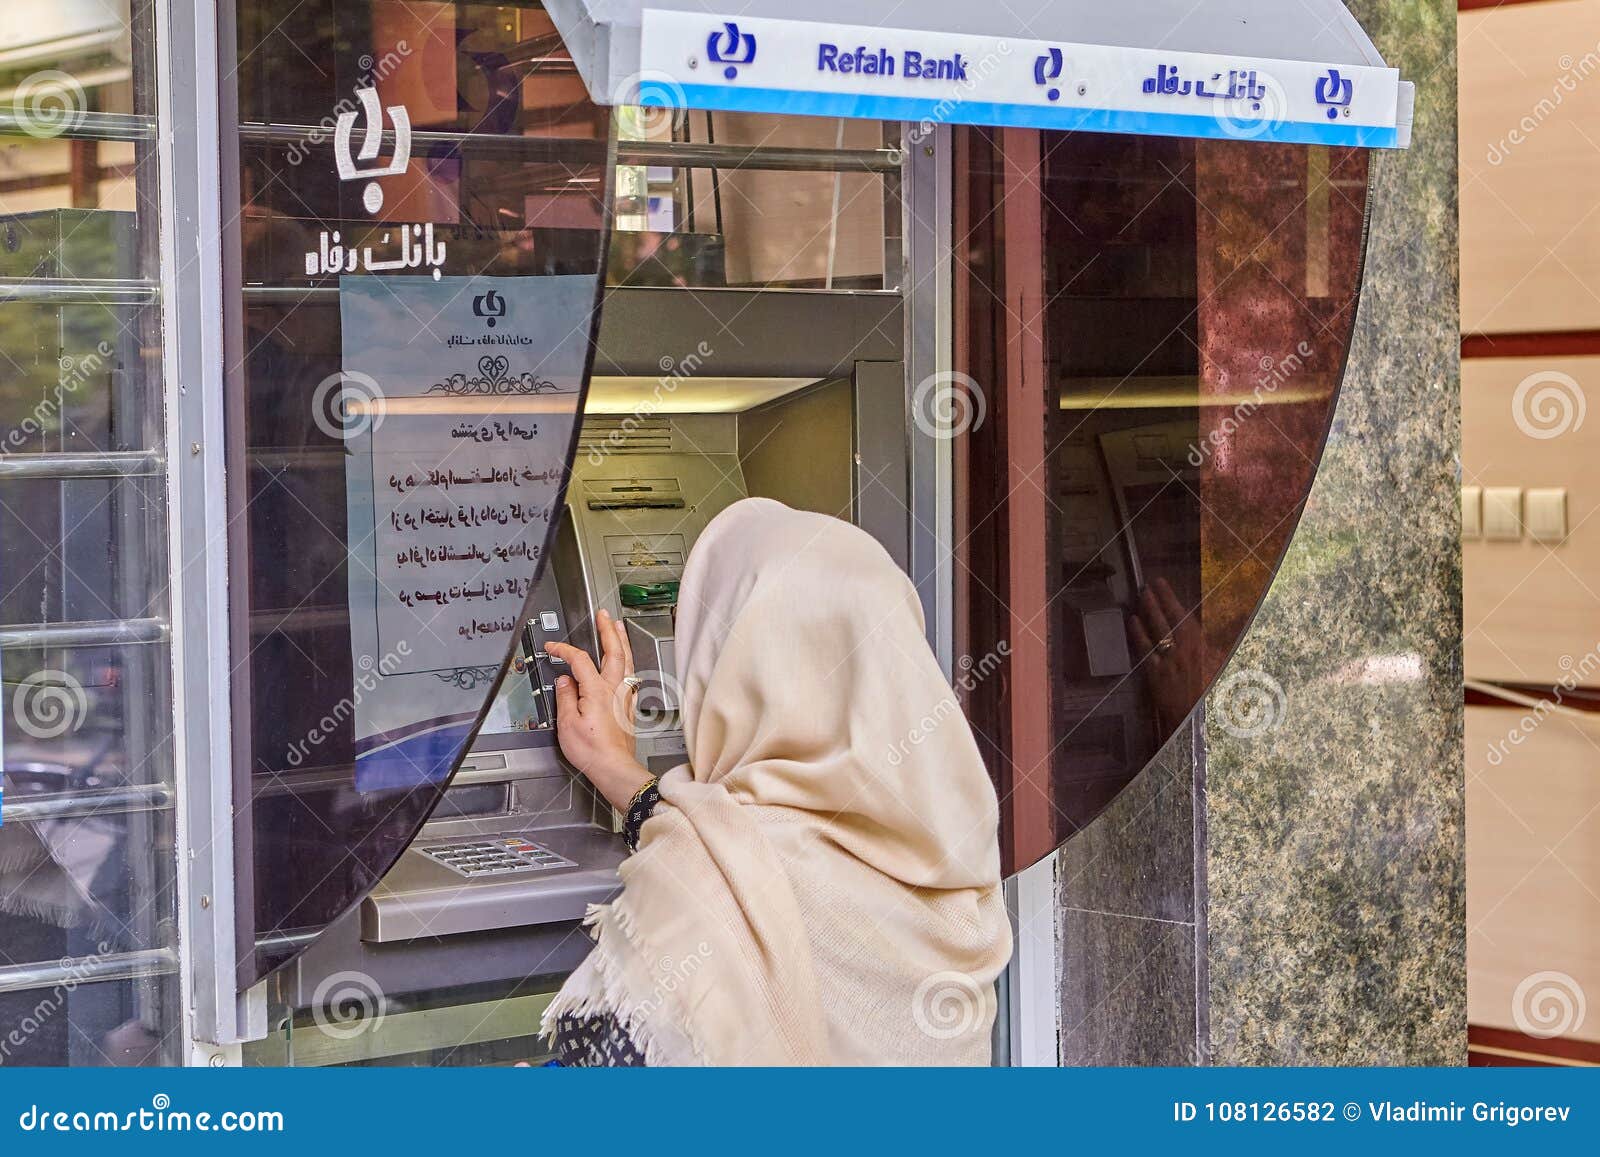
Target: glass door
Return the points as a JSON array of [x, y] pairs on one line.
[[87, 940], [418, 203]]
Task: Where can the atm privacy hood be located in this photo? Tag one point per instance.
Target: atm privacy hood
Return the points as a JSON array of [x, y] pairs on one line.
[[1303, 71]]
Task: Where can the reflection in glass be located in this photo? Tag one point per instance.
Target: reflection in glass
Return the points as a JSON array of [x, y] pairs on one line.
[[1199, 298], [86, 843], [416, 272], [777, 202]]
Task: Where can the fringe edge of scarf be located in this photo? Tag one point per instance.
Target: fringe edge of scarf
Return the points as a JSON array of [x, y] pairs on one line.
[[614, 996]]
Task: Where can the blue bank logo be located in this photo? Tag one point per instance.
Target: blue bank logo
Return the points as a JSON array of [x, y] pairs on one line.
[[1047, 69], [1336, 92], [489, 306], [727, 45]]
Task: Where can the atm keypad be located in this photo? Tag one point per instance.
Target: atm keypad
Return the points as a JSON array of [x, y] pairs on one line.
[[503, 856]]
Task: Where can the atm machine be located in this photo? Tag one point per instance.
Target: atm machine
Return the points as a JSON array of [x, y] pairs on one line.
[[482, 912]]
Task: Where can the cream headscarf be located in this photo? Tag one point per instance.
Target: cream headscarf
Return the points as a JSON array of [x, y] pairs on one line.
[[821, 882]]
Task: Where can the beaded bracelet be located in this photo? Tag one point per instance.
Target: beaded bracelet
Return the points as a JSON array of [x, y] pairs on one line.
[[639, 808]]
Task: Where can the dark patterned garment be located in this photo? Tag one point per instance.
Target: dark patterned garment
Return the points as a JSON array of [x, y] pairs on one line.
[[600, 1042], [596, 1042]]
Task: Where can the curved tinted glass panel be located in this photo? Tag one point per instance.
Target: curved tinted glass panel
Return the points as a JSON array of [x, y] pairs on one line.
[[414, 279], [1193, 317]]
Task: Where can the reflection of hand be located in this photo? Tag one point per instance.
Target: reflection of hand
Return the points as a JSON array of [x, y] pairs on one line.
[[1166, 639], [594, 713]]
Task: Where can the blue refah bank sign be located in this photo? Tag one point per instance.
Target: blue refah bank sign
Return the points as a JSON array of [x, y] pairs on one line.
[[743, 64]]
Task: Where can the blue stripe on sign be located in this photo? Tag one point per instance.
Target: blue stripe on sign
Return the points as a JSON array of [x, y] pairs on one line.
[[732, 98]]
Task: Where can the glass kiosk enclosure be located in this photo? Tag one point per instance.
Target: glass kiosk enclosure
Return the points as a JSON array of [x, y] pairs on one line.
[[1058, 363], [496, 354]]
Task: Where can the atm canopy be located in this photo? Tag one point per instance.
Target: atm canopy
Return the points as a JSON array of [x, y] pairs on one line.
[[1301, 71]]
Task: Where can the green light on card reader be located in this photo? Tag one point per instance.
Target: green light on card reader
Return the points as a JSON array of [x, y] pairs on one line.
[[648, 594]]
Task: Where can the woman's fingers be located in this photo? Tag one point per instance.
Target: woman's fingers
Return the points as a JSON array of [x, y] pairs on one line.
[[581, 666], [1170, 606], [566, 697], [627, 648], [1142, 643], [1150, 612], [611, 661]]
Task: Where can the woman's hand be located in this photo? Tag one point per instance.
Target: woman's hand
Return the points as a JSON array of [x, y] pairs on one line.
[[594, 713], [1169, 649]]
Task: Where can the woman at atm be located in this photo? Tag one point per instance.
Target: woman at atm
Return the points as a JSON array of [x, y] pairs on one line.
[[820, 883]]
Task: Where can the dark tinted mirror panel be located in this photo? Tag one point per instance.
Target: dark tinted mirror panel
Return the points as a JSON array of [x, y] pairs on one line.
[[1196, 307], [413, 287]]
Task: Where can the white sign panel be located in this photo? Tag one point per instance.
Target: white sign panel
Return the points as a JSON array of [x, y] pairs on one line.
[[747, 64], [459, 398]]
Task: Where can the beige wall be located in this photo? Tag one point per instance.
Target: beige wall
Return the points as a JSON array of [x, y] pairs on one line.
[[1533, 864], [1531, 606], [800, 451], [1530, 262], [1530, 167]]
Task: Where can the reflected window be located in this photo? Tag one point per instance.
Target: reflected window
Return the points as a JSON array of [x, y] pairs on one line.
[[87, 939], [414, 278], [744, 200], [1192, 321]]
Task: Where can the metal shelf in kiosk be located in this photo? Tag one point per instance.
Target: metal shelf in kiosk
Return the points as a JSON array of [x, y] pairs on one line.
[[428, 836]]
